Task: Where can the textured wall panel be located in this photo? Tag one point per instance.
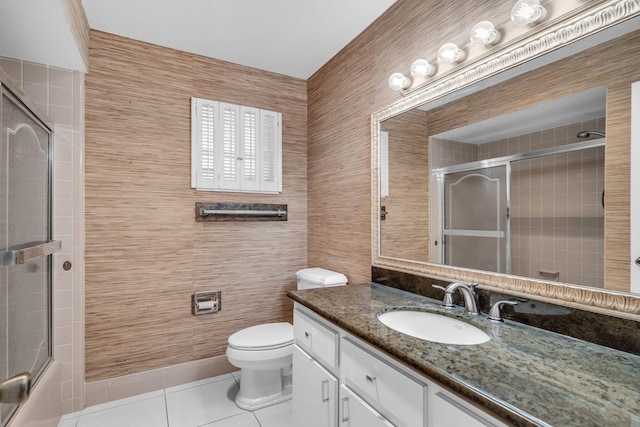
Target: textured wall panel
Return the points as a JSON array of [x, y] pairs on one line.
[[145, 253], [344, 93]]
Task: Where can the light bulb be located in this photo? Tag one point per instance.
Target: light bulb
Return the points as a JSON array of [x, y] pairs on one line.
[[451, 53], [528, 12], [398, 81], [485, 33], [422, 68]]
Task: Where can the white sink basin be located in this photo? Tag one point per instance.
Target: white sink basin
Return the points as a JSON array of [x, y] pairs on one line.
[[433, 327]]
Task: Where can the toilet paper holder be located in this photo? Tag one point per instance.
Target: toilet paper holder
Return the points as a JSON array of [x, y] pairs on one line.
[[206, 302]]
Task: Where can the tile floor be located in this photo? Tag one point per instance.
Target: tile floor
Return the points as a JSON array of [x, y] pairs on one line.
[[208, 402]]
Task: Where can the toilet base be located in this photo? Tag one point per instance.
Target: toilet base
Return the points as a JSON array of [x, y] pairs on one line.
[[261, 388]]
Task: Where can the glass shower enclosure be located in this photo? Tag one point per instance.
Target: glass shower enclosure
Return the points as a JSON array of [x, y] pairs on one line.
[[25, 248], [480, 217]]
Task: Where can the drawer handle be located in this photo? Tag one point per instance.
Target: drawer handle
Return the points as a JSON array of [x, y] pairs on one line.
[[370, 379], [345, 409], [307, 334], [325, 390]]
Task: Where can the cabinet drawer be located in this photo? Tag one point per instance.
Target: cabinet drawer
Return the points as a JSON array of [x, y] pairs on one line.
[[447, 410], [403, 400], [315, 338]]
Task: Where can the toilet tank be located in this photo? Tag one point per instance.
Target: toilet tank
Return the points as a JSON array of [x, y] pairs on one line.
[[309, 278]]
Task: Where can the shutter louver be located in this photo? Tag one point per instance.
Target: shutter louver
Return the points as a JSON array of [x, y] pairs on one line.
[[207, 141], [250, 147], [269, 127], [229, 118]]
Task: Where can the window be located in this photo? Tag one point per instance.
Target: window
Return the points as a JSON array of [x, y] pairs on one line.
[[235, 148]]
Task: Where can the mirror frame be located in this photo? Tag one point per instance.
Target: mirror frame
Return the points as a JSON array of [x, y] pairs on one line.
[[546, 41]]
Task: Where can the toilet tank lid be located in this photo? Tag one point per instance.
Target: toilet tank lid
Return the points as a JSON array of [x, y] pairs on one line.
[[322, 276]]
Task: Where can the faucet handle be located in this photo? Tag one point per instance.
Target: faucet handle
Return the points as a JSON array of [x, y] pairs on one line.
[[495, 314], [448, 297]]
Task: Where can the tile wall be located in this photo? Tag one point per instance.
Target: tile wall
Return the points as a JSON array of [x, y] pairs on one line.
[[59, 94]]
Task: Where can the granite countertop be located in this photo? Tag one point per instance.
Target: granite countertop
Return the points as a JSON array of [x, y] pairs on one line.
[[524, 375]]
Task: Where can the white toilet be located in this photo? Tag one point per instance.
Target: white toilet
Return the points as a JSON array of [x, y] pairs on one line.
[[263, 352]]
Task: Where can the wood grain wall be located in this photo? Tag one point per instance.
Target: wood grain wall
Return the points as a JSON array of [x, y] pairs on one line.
[[344, 93], [405, 231], [145, 254], [79, 26]]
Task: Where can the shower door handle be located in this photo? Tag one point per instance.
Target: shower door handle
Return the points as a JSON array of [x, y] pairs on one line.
[[24, 253], [15, 390]]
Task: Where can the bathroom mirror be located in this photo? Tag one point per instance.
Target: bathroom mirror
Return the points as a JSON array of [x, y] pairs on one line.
[[415, 161]]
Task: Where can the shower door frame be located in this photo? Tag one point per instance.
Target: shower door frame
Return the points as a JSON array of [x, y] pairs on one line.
[[478, 166], [499, 161], [45, 249]]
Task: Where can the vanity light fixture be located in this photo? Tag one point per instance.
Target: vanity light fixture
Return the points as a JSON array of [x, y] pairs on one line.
[[527, 12], [484, 32], [422, 68], [449, 52], [399, 81]]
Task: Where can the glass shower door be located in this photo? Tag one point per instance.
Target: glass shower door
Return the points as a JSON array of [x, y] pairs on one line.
[[25, 242], [476, 226]]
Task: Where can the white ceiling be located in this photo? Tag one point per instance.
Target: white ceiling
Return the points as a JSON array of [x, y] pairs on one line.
[[38, 31], [291, 37], [579, 107]]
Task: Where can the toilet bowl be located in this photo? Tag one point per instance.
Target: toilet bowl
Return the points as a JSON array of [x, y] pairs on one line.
[[264, 352]]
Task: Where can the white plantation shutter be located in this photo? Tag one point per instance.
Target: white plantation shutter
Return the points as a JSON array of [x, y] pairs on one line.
[[229, 178], [270, 126], [235, 148], [204, 131], [249, 137]]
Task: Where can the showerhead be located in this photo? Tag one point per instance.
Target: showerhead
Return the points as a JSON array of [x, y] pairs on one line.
[[588, 133]]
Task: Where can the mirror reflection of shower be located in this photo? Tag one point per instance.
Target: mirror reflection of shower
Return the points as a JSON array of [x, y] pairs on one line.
[[550, 223]]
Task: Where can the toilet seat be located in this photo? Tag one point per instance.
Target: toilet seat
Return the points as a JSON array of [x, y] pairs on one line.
[[269, 336]]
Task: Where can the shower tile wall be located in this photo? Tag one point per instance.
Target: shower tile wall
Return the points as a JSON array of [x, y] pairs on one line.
[[557, 216], [59, 93]]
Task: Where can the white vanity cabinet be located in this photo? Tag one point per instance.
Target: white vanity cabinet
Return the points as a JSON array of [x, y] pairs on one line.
[[340, 380]]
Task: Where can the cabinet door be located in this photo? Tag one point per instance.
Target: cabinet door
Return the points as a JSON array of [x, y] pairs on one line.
[[354, 412], [315, 392]]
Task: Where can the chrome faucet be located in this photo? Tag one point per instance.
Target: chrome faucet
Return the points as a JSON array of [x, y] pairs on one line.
[[468, 293]]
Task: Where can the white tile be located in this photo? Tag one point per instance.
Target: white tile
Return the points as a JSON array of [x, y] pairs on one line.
[[206, 403], [243, 420], [123, 402], [198, 383], [145, 413], [276, 415], [68, 422]]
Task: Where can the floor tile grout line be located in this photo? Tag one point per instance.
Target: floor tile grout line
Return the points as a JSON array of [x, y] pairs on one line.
[[256, 417], [166, 406]]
